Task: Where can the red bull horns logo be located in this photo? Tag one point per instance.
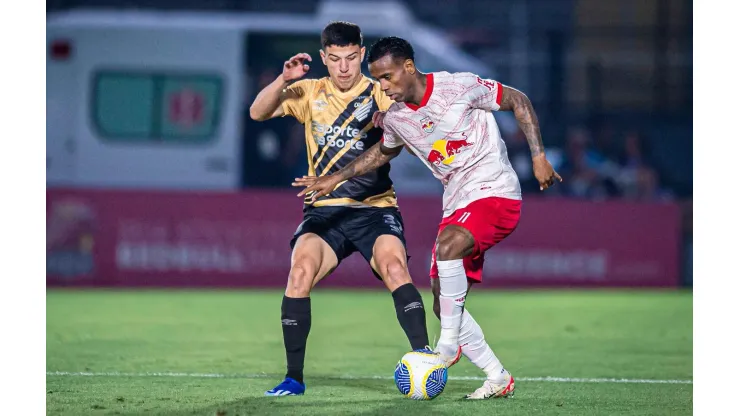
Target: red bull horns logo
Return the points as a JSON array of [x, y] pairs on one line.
[[444, 151], [427, 125]]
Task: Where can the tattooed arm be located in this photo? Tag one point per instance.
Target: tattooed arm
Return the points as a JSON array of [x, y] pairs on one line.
[[490, 95], [371, 159], [514, 100]]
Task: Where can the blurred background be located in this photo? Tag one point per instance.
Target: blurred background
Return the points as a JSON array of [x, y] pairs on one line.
[[156, 175]]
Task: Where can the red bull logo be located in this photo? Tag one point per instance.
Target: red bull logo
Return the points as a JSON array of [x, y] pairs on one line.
[[427, 125], [444, 151]]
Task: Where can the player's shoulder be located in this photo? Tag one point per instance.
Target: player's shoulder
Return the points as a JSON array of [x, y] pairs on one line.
[[453, 82], [463, 77], [439, 75], [375, 84], [396, 117], [395, 110], [308, 82], [306, 87], [317, 84], [444, 76], [376, 91]]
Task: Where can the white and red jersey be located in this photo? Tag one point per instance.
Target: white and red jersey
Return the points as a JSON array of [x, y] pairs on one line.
[[454, 133]]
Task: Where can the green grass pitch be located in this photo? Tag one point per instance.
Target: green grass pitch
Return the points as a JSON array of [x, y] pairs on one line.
[[216, 352]]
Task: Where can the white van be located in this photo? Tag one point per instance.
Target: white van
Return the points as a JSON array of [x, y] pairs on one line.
[[157, 99]]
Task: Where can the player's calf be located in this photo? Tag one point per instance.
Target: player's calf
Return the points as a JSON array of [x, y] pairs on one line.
[[453, 244], [311, 261], [411, 315], [453, 290], [409, 306], [389, 262]]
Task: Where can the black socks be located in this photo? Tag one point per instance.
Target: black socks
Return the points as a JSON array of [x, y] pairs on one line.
[[296, 319], [411, 315]]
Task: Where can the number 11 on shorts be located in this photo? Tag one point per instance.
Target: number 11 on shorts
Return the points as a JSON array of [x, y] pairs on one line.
[[463, 217]]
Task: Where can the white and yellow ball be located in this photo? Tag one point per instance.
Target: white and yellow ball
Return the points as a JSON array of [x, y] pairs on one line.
[[421, 375]]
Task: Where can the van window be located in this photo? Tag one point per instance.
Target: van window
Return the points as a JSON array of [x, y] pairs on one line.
[[156, 107]]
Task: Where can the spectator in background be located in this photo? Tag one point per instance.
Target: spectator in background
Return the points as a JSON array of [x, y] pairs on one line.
[[638, 179], [633, 167], [582, 166], [521, 160], [635, 151], [605, 141], [520, 157], [608, 165]]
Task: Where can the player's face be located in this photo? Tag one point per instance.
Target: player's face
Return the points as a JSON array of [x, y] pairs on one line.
[[344, 64], [396, 77]]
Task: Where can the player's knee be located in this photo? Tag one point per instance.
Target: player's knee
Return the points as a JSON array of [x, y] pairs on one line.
[[300, 280], [452, 245], [394, 273]]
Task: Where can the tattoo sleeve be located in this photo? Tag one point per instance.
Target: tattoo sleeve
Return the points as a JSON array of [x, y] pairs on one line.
[[516, 101], [371, 159]]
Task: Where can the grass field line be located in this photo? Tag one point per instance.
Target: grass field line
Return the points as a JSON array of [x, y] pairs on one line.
[[354, 377]]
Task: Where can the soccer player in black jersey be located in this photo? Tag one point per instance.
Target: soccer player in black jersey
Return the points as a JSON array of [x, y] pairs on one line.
[[360, 214]]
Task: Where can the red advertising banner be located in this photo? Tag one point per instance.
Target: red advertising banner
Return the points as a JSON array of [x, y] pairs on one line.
[[209, 239]]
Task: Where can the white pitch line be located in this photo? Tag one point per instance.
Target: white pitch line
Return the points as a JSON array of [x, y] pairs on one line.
[[350, 377]]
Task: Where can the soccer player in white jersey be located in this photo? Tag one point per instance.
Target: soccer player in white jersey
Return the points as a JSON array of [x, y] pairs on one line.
[[445, 119]]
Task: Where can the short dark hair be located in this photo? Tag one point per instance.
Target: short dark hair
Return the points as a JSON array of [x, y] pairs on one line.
[[391, 45], [341, 34]]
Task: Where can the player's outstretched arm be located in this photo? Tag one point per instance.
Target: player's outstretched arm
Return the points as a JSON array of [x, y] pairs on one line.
[[516, 101], [267, 104], [371, 159]]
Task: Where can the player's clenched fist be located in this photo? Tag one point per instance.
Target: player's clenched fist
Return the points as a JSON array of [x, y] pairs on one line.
[[295, 67], [316, 187], [544, 172]]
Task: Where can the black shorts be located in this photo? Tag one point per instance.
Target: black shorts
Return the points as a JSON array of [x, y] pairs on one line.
[[347, 230]]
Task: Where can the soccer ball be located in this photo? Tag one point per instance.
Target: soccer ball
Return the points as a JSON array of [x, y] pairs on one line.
[[421, 375]]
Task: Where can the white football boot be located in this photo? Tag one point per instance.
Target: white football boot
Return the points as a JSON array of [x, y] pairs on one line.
[[493, 389]]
